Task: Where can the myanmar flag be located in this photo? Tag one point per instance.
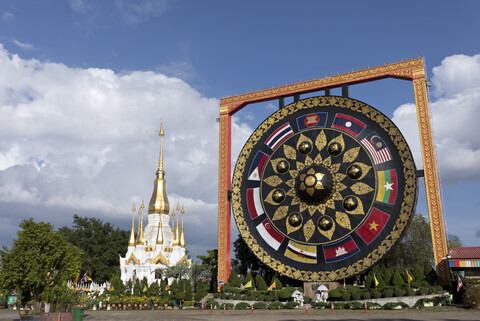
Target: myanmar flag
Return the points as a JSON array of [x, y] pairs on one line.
[[387, 186]]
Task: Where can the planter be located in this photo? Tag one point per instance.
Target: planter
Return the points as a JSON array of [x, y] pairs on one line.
[[55, 316], [22, 312]]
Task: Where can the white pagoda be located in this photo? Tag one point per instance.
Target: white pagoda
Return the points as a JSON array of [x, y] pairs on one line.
[[159, 244]]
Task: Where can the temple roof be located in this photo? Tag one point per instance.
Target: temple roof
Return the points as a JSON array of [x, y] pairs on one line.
[[472, 252]]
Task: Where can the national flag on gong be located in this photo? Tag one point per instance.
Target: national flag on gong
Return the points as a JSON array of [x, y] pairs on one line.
[[257, 166], [387, 186], [373, 225], [301, 252], [340, 250], [270, 234], [312, 120], [278, 136], [377, 148], [254, 203], [348, 124]]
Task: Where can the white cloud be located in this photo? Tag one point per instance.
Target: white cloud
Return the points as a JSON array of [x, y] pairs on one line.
[[25, 46], [86, 141], [7, 16], [455, 115]]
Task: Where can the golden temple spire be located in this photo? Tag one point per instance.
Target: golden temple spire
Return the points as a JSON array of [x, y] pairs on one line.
[[140, 236], [177, 237], [159, 201], [173, 220], [160, 233], [132, 230], [182, 236]]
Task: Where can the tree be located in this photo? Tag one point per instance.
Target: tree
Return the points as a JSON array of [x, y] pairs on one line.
[[210, 266], [233, 279], [177, 271], [40, 258], [101, 245]]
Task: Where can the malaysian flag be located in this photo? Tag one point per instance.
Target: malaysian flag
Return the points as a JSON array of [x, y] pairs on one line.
[[377, 148]]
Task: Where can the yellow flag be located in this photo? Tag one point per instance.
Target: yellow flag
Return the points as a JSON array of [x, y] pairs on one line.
[[409, 277], [144, 289], [375, 278], [272, 286], [248, 285], [75, 281], [167, 287], [111, 288]]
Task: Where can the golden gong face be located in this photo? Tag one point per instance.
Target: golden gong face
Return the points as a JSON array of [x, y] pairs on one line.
[[327, 189]]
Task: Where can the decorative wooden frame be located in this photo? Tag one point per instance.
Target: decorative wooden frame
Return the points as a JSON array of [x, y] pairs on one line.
[[412, 70]]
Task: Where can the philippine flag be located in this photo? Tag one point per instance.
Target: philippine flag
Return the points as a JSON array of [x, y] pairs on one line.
[[279, 136], [348, 124], [269, 234], [340, 250], [254, 203], [257, 166], [377, 148]]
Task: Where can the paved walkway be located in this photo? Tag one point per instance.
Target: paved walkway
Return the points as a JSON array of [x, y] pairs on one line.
[[447, 314]]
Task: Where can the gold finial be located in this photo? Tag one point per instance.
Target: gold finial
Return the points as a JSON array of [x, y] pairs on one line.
[[131, 242], [173, 220], [178, 206], [160, 233], [143, 205], [159, 200], [177, 237], [182, 236], [140, 236]]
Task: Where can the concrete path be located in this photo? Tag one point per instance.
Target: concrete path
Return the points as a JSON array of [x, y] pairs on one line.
[[449, 314]]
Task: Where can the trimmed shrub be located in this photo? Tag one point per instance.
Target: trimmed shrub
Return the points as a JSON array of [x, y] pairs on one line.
[[268, 297], [366, 295], [228, 306], [242, 306], [260, 283], [307, 299], [355, 305], [387, 293], [322, 305], [423, 290], [395, 306], [247, 279], [259, 305], [278, 284], [275, 306], [216, 295], [334, 295], [397, 279], [233, 279], [373, 306], [376, 294], [211, 302], [345, 296], [291, 305], [200, 295], [410, 291], [338, 305], [238, 296], [285, 294], [248, 297], [398, 292], [261, 297], [356, 295]]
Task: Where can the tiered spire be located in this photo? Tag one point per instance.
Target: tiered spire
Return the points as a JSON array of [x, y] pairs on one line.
[[159, 201], [132, 229], [182, 236]]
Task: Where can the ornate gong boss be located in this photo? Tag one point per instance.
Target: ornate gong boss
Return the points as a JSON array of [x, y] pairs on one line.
[[324, 188]]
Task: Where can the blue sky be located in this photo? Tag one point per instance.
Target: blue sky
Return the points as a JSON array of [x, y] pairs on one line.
[[84, 84]]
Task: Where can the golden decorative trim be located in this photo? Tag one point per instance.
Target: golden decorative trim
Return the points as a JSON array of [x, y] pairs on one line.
[[184, 260], [132, 258], [160, 258], [440, 247]]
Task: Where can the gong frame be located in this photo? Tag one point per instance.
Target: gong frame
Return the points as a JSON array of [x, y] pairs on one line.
[[411, 70]]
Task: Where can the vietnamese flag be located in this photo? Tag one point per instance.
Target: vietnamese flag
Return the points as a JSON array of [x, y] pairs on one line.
[[373, 225]]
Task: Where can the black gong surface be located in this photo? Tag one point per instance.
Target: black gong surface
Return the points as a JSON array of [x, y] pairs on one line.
[[324, 188]]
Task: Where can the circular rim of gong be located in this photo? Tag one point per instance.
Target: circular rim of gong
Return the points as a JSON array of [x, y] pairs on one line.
[[368, 254]]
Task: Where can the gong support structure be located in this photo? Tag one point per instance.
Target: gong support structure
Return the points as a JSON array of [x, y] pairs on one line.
[[412, 70]]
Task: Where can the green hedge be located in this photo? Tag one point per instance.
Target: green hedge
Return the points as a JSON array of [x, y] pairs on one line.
[[275, 306], [290, 305], [242, 306], [228, 306], [259, 305]]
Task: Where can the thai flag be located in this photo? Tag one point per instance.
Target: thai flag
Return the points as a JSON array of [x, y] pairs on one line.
[[220, 282], [257, 166], [13, 293], [254, 203], [348, 124], [459, 284], [84, 278], [377, 148], [344, 285], [269, 234], [279, 136], [127, 288]]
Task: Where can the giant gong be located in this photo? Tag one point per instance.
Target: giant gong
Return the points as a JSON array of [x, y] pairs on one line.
[[324, 188]]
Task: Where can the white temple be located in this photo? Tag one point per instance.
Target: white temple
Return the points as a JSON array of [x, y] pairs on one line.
[[162, 242]]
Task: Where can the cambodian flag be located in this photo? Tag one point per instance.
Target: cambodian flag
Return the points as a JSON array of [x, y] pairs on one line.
[[348, 124], [279, 136], [340, 250]]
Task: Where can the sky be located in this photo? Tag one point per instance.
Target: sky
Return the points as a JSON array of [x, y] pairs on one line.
[[84, 85]]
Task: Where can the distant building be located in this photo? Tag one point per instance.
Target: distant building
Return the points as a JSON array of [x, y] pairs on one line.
[[162, 242]]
